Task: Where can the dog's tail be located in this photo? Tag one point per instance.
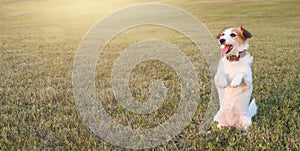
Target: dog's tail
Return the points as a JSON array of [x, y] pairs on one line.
[[252, 108]]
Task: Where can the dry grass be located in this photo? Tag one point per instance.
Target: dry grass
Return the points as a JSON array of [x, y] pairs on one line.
[[38, 42]]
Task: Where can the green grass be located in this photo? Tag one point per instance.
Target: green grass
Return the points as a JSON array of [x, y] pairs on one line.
[[38, 42]]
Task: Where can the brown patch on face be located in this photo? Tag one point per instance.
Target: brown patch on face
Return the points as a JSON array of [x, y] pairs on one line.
[[220, 33], [240, 37]]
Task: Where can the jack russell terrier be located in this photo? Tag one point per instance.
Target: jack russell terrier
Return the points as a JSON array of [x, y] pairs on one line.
[[234, 80]]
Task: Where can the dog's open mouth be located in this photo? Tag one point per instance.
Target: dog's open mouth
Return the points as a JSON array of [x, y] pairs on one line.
[[227, 49]]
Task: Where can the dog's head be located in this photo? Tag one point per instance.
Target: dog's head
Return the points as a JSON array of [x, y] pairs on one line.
[[233, 40]]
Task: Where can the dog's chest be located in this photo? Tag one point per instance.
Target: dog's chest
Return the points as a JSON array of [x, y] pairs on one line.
[[234, 68]]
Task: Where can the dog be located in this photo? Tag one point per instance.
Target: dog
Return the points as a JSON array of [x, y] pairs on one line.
[[234, 80]]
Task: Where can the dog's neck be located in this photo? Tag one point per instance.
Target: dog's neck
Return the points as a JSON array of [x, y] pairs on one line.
[[237, 57]]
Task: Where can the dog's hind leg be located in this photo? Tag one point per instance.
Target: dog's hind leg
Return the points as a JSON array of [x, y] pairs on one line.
[[246, 118]]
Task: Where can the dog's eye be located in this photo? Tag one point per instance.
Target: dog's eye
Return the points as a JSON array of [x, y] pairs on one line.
[[223, 34], [233, 35]]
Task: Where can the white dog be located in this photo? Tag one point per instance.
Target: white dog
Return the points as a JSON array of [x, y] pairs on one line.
[[234, 80]]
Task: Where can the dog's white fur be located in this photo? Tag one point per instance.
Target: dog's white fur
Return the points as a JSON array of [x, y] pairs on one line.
[[234, 82]]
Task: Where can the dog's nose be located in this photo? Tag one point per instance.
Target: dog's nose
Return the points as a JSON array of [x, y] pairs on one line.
[[222, 41]]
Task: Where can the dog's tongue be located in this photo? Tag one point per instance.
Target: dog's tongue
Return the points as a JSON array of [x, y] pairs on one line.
[[225, 49]]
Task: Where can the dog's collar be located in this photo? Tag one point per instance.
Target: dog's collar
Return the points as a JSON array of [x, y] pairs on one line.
[[236, 57]]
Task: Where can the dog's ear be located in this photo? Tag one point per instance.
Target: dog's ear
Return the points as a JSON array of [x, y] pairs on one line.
[[245, 33], [220, 33]]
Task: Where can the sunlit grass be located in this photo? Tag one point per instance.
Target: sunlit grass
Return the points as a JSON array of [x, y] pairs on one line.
[[38, 42]]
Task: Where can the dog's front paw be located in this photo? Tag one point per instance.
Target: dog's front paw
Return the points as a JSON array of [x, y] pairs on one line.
[[235, 83], [222, 83]]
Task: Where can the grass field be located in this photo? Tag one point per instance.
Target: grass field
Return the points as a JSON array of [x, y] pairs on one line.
[[39, 40]]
